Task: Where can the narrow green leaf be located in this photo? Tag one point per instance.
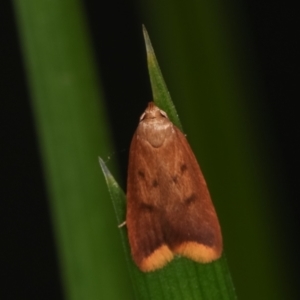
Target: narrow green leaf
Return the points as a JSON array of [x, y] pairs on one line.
[[161, 95], [72, 132], [182, 279]]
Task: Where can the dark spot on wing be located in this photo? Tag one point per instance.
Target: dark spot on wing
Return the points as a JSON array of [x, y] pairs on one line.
[[191, 199], [183, 168], [154, 183], [147, 207], [141, 174], [175, 179]]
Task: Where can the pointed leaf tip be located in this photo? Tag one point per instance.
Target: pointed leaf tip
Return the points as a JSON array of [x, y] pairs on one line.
[[103, 167], [110, 180], [161, 95], [101, 162]]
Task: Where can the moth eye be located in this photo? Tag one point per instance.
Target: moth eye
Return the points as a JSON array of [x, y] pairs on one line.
[[142, 116], [163, 114]]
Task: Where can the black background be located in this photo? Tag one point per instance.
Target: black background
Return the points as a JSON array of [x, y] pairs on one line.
[[27, 242]]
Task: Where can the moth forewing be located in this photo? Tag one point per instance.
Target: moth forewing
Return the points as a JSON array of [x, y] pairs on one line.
[[169, 209]]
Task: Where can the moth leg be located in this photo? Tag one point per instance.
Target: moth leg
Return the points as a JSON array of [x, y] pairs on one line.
[[122, 224]]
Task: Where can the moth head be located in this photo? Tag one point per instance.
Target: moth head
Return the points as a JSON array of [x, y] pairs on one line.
[[153, 112]]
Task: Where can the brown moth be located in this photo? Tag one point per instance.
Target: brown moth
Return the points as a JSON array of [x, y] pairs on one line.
[[169, 209]]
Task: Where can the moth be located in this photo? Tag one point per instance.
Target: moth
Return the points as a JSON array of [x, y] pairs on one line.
[[169, 208]]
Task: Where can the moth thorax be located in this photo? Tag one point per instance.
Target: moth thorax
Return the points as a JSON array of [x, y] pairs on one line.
[[155, 131]]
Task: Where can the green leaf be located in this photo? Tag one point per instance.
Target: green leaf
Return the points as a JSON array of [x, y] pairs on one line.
[[161, 95], [182, 279], [72, 131]]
